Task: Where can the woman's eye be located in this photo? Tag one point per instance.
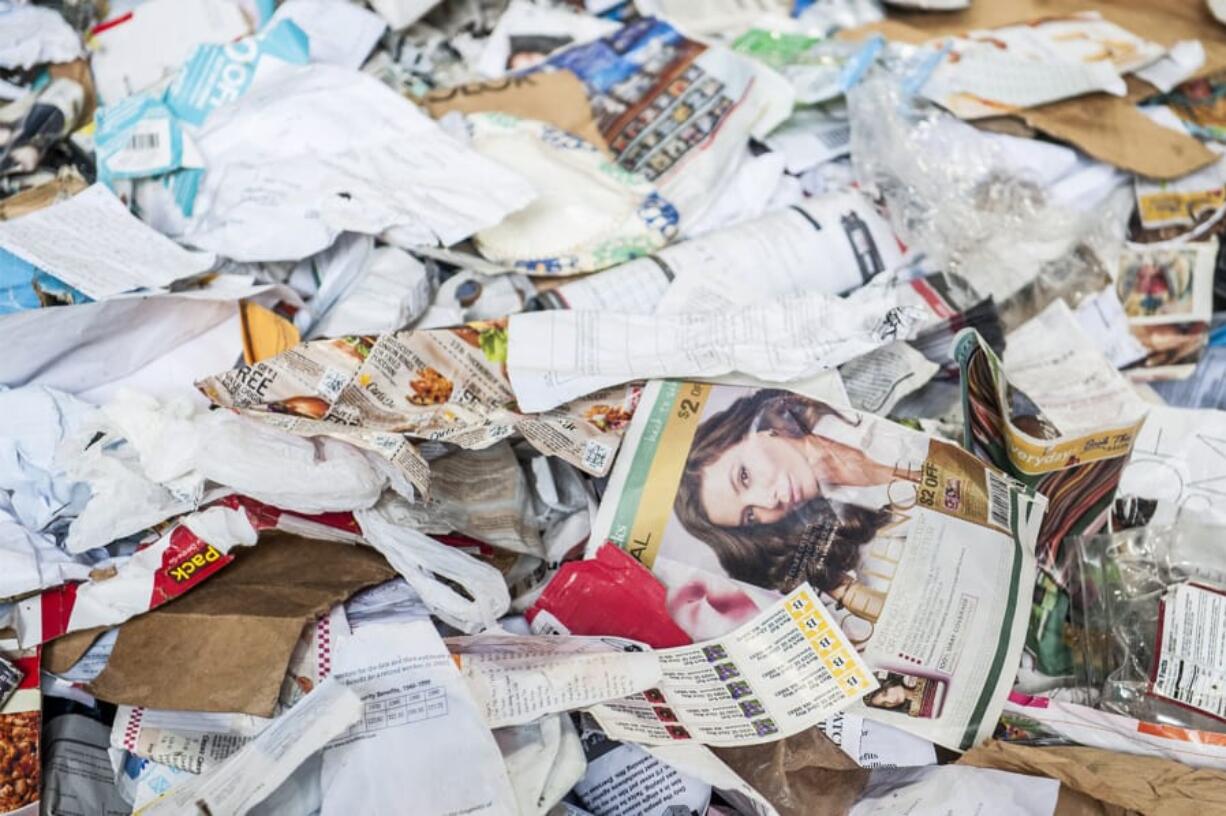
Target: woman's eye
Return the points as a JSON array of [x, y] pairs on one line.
[[749, 517], [743, 476]]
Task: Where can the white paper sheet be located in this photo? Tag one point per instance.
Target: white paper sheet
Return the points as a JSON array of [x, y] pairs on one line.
[[1056, 365], [315, 150], [1102, 319], [339, 33], [31, 35], [156, 39], [544, 761], [93, 243], [257, 769], [950, 789], [1179, 63], [1180, 457], [625, 778], [91, 347], [558, 356], [417, 725]]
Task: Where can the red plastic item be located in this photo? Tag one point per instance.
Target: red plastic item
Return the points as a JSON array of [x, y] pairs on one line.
[[611, 594]]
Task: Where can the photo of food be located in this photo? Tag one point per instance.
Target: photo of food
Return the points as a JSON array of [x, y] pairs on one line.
[[429, 388]]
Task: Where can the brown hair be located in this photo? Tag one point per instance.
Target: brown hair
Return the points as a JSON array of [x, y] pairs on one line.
[[818, 543]]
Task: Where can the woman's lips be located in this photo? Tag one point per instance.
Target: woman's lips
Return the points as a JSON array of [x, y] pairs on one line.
[[732, 604]]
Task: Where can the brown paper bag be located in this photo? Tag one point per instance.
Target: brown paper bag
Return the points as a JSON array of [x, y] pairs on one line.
[[226, 645]]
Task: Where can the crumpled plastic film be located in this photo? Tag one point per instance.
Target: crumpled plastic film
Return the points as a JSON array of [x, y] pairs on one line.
[[953, 197]]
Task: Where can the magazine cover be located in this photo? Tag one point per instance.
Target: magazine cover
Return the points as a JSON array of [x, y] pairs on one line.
[[733, 495]]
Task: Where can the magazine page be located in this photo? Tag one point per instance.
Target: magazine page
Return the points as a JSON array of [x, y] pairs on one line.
[[920, 552], [1056, 416]]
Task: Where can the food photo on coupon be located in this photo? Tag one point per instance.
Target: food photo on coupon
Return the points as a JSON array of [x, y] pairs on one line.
[[612, 407]]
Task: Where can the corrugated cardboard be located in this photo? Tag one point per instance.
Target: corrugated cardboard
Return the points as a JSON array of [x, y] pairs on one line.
[[1145, 785], [226, 645], [556, 97], [1108, 128]]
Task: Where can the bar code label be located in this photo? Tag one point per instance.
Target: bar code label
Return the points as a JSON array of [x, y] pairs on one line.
[[1000, 500], [144, 141], [145, 149], [1191, 649]]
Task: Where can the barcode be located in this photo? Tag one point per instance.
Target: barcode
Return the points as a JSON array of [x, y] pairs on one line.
[[999, 503], [144, 141]]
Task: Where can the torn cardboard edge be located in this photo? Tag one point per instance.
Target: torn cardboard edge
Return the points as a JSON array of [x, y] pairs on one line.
[[1106, 128]]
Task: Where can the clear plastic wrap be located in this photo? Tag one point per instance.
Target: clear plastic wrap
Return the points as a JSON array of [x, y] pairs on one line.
[[1149, 619], [1022, 220]]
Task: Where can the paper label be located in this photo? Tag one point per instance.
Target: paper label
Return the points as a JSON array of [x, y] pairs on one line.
[[1191, 653]]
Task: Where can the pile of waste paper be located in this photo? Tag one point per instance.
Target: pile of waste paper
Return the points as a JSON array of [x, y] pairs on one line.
[[612, 407]]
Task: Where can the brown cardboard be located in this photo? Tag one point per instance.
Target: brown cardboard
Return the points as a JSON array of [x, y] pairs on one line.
[[1106, 127], [1145, 785], [67, 184], [556, 97], [226, 645], [802, 775]]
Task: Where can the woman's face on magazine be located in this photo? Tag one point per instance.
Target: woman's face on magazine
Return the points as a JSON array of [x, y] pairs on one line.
[[759, 480]]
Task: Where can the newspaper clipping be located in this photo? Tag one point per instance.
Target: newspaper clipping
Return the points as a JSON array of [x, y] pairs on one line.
[[448, 385]]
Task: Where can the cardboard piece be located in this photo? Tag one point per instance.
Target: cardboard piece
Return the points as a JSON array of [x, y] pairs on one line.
[[1146, 785], [65, 185], [265, 333], [801, 775], [1108, 128], [226, 645], [555, 97]]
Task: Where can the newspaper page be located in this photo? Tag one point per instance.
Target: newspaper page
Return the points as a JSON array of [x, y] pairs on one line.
[[624, 778], [1057, 416], [519, 679], [446, 385], [675, 110], [1167, 294], [782, 672], [923, 555], [830, 244]]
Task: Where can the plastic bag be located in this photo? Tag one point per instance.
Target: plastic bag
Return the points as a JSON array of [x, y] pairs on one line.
[[1150, 613], [981, 204]]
